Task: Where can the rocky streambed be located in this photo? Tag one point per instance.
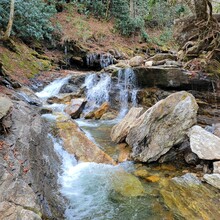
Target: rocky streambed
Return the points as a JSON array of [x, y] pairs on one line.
[[119, 144]]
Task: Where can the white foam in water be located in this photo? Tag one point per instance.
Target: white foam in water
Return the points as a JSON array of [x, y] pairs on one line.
[[86, 186], [127, 86], [97, 89], [56, 107], [53, 88]]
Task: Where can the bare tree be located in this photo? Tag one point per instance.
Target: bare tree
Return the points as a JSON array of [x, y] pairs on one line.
[[10, 21]]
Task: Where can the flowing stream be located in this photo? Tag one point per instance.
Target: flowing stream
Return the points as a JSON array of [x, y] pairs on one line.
[[99, 191]]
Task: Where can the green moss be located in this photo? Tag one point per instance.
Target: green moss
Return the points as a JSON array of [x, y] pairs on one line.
[[25, 64]]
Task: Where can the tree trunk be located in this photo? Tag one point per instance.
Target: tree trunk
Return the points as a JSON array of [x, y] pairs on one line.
[[201, 9], [10, 22], [132, 8]]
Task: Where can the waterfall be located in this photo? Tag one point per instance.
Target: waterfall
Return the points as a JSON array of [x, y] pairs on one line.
[[106, 60], [103, 60], [127, 88], [98, 88], [53, 88]]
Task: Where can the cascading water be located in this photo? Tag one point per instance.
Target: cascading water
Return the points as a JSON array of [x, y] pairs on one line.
[[99, 88], [103, 60], [99, 191], [53, 88], [127, 88]]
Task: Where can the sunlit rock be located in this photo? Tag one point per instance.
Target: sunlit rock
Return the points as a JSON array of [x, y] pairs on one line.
[[101, 110], [120, 131], [75, 142], [153, 179], [204, 144], [162, 126]]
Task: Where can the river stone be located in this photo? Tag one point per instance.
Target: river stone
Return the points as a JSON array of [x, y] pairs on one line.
[[216, 167], [213, 179], [75, 108], [136, 61], [162, 126], [188, 198], [126, 184], [101, 110], [5, 106], [204, 144], [75, 142], [120, 131]]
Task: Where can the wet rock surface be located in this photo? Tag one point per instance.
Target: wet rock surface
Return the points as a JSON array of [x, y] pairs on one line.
[[27, 192], [76, 143], [199, 205]]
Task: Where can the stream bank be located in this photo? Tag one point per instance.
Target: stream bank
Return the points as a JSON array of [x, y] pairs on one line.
[[117, 185]]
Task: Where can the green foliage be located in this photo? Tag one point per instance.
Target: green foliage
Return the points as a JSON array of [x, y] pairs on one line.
[[31, 19]]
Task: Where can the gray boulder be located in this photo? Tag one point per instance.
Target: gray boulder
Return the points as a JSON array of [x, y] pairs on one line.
[[162, 126], [204, 144], [120, 131]]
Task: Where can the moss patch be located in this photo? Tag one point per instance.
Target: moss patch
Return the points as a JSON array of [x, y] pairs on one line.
[[23, 64]]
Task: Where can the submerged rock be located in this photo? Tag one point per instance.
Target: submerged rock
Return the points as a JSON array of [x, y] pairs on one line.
[[204, 144], [75, 142], [188, 198], [120, 131], [213, 179], [75, 108], [162, 126], [126, 184]]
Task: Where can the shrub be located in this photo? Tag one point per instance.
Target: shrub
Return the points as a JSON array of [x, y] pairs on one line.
[[31, 19]]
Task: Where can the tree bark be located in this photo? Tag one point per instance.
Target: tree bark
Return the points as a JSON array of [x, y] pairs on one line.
[[11, 19], [132, 8], [201, 9]]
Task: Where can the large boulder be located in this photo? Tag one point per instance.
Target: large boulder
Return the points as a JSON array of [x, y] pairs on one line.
[[204, 144], [75, 108], [162, 126], [75, 142], [120, 131]]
